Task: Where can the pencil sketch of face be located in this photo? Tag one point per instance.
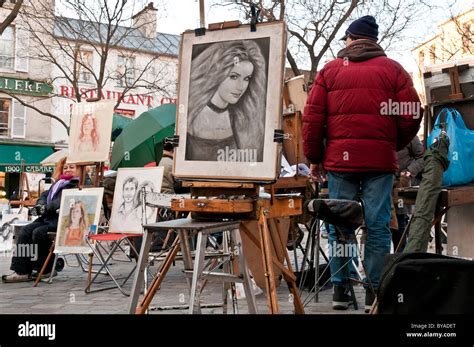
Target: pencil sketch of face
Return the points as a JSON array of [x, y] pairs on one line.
[[236, 83], [88, 125], [129, 189], [227, 100], [76, 214]]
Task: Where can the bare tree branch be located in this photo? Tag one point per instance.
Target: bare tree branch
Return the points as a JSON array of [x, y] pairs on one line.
[[83, 50], [11, 16]]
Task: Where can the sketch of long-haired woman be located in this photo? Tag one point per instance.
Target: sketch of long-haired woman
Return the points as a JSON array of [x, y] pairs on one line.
[[88, 140], [227, 95]]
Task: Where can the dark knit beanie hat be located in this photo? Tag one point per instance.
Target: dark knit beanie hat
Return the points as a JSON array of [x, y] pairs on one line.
[[364, 27]]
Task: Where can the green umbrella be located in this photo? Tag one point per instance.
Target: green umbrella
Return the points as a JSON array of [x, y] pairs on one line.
[[118, 124], [140, 141]]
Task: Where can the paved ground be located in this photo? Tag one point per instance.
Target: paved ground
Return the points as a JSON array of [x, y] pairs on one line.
[[66, 295]]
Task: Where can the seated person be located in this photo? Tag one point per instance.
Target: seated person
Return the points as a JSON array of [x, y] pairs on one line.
[[36, 234]]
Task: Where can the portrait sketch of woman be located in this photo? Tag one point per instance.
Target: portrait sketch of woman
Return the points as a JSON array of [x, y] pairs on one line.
[[91, 126], [227, 97], [230, 103], [77, 225], [88, 140], [79, 212]]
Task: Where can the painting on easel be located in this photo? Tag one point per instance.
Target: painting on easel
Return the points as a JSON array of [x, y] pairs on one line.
[[79, 214], [91, 126], [230, 103]]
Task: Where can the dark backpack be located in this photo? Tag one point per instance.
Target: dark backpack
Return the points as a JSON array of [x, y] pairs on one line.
[[425, 283]]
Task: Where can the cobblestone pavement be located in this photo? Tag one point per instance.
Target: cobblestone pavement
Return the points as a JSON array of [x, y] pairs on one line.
[[66, 295]]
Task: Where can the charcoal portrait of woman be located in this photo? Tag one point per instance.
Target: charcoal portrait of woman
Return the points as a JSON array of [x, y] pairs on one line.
[[227, 101]]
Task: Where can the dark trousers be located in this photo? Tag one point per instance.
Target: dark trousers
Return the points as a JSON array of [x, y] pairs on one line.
[[33, 236]]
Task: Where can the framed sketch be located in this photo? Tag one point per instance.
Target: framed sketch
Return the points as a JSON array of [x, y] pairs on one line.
[[128, 210], [230, 103], [36, 184], [7, 229], [91, 126], [78, 215]]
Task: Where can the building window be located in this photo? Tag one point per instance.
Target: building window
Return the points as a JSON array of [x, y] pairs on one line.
[[84, 65], [5, 106], [7, 49], [125, 71]]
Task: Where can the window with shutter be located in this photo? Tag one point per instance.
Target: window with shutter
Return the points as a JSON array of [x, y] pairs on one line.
[[84, 60], [5, 107], [18, 120], [21, 49], [7, 56]]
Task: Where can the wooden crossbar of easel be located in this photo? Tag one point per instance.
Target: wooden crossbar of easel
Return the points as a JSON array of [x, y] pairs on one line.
[[264, 211]]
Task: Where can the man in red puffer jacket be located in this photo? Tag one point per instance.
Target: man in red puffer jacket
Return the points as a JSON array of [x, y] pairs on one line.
[[361, 110]]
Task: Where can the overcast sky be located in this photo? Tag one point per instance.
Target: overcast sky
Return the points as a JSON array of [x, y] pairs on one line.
[[180, 15], [176, 16]]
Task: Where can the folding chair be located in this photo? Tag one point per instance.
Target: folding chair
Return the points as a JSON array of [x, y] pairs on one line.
[[117, 240]]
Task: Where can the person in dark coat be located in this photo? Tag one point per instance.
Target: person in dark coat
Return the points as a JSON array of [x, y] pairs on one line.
[[361, 110], [34, 236]]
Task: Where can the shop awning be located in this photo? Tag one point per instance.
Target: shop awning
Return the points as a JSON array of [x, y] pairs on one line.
[[13, 155]]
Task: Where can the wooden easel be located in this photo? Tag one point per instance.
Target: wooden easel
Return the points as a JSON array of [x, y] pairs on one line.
[[21, 202], [219, 204], [217, 201], [98, 177]]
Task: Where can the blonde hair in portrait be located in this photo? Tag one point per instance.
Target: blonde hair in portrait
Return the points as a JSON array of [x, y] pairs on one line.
[[211, 67]]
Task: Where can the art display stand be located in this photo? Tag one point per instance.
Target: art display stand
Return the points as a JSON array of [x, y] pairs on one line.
[[220, 201], [23, 187], [99, 173]]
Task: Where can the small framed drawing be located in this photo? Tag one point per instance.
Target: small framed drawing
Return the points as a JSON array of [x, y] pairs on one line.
[[7, 229], [129, 209], [230, 103], [91, 126], [78, 215]]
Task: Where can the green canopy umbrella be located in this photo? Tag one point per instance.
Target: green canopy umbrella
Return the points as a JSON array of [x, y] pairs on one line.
[[140, 141], [118, 124], [436, 162]]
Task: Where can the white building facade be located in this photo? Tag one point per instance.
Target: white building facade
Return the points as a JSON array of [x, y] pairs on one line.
[[27, 136]]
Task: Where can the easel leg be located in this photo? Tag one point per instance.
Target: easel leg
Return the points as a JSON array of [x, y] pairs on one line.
[[156, 283], [46, 262], [186, 252], [268, 264], [249, 294], [299, 309], [194, 299], [139, 271], [89, 272]]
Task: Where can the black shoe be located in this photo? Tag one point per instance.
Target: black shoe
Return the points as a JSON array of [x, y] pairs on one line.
[[369, 300], [341, 298]]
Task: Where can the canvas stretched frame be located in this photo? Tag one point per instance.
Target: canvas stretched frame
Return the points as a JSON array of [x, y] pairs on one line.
[[270, 36]]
